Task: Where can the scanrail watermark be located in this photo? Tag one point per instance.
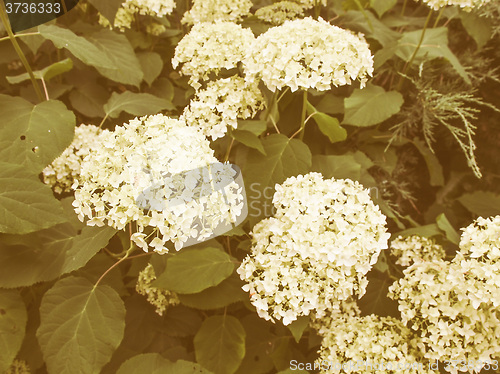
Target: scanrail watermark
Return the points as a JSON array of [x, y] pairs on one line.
[[368, 365]]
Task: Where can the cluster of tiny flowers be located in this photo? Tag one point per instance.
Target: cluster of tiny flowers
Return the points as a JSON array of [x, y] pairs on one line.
[[210, 47], [221, 104], [466, 5], [63, 171], [217, 10], [416, 248], [481, 240], [161, 299], [308, 4], [316, 250], [307, 53], [18, 367], [453, 307], [125, 15], [277, 13], [367, 344], [147, 172]]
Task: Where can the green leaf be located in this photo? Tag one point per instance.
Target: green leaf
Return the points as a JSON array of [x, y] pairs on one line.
[[194, 270], [481, 203], [434, 45], [339, 167], [328, 125], [254, 126], [89, 99], [432, 162], [154, 363], [480, 28], [26, 204], [370, 26], [249, 139], [45, 255], [34, 135], [13, 318], [298, 327], [375, 300], [152, 65], [445, 225], [426, 231], [47, 73], [226, 292], [331, 104], [219, 345], [80, 47], [285, 158], [382, 6], [181, 321], [137, 104], [371, 105], [81, 325], [258, 343], [107, 8], [126, 67]]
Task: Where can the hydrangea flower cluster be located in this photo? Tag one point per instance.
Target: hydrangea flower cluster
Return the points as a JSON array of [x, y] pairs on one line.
[[277, 13], [307, 53], [367, 344], [217, 10], [125, 15], [466, 5], [63, 171], [210, 47], [18, 367], [308, 4], [416, 248], [146, 171], [454, 308], [221, 104], [481, 240], [159, 298], [316, 250]]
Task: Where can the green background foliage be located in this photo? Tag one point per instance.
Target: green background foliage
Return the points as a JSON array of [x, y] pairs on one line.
[[68, 305]]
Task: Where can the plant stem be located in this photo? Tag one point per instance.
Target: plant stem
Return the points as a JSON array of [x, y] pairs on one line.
[[438, 18], [410, 61], [129, 251], [20, 53], [404, 7], [303, 115], [19, 35]]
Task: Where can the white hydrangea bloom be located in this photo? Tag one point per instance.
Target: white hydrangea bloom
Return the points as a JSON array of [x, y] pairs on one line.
[[415, 248], [316, 250], [159, 298], [454, 307], [308, 4], [466, 5], [158, 8], [278, 13], [307, 53], [368, 344], [217, 10], [125, 15], [221, 104], [146, 172], [210, 47], [63, 171], [481, 240]]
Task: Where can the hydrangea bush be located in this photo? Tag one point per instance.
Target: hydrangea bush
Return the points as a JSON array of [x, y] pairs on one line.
[[251, 187]]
